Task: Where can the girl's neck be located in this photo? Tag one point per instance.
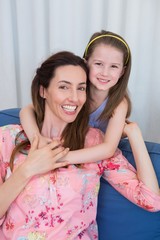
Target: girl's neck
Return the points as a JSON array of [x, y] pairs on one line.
[[97, 98]]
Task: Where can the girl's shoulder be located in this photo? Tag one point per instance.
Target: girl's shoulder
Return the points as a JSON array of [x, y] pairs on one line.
[[94, 137], [123, 105]]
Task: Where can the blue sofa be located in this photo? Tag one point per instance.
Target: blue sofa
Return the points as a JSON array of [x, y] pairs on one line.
[[118, 219]]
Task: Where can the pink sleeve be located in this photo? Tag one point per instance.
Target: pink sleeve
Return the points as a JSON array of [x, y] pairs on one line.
[[122, 176], [94, 137], [2, 175], [7, 134]]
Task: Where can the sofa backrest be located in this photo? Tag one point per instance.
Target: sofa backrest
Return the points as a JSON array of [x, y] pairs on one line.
[[9, 116]]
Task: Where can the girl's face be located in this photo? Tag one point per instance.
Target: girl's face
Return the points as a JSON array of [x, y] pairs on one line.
[[105, 67], [66, 93]]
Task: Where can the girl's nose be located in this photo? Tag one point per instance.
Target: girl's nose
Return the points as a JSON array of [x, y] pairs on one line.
[[105, 71]]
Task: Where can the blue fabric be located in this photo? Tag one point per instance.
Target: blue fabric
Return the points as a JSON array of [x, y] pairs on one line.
[[118, 219], [9, 116], [93, 118]]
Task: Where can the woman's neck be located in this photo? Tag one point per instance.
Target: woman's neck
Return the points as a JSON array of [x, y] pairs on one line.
[[52, 126]]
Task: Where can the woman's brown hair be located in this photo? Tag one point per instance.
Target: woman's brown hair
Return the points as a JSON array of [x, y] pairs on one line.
[[119, 91], [74, 134]]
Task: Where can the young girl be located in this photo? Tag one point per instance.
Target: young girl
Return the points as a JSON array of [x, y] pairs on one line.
[[109, 60]]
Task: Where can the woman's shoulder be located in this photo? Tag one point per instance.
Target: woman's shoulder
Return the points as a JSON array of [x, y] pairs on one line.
[[94, 136], [7, 141], [8, 134], [11, 129]]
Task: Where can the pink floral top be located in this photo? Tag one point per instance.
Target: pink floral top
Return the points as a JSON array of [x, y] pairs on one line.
[[62, 204]]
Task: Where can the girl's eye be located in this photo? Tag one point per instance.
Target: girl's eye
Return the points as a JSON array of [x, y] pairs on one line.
[[114, 66], [98, 64]]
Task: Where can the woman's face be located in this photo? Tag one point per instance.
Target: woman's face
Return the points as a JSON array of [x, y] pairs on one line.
[[105, 67], [66, 93]]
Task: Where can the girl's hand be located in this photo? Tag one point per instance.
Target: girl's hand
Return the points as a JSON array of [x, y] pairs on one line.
[[130, 128], [43, 141], [42, 160]]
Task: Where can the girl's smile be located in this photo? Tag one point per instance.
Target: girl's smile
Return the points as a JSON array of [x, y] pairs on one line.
[[106, 67]]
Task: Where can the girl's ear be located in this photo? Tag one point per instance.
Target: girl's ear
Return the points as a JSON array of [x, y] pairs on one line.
[[41, 91]]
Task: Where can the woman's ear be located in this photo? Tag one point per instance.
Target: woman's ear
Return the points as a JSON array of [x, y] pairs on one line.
[[41, 91], [85, 60]]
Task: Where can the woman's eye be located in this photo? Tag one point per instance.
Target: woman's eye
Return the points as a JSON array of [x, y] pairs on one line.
[[82, 89], [63, 87]]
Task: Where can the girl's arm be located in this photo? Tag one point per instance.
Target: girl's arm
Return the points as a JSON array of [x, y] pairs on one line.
[[38, 161], [145, 170], [28, 121], [141, 186], [123, 176], [111, 140], [92, 154]]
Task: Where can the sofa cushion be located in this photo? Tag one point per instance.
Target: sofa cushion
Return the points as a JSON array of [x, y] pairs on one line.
[[120, 219]]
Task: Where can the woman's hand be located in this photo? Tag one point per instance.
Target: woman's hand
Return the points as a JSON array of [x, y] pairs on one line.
[[44, 159], [43, 141]]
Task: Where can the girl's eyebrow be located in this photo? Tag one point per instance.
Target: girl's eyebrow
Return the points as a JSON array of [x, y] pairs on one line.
[[101, 60], [97, 60], [117, 64]]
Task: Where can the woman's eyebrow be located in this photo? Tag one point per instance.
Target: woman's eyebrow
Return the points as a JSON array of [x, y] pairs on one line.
[[67, 82], [63, 81], [83, 83]]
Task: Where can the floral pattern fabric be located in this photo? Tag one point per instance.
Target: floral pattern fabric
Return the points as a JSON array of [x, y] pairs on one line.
[[62, 204]]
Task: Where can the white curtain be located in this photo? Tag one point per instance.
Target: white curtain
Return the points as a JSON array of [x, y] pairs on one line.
[[30, 30]]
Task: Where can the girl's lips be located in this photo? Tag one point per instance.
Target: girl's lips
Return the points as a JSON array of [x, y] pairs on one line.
[[103, 80]]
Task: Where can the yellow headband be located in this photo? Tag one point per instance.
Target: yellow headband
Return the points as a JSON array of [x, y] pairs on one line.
[[108, 35]]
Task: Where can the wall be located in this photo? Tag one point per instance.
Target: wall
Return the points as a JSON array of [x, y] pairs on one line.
[[30, 30]]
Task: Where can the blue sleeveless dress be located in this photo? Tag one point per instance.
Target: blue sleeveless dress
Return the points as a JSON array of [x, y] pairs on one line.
[[93, 118]]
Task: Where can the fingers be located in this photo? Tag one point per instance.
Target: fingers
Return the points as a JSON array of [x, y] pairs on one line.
[[127, 121], [60, 164], [57, 159], [54, 144], [59, 152]]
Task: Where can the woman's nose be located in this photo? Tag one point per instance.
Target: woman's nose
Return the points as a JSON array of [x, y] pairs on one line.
[[74, 96]]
